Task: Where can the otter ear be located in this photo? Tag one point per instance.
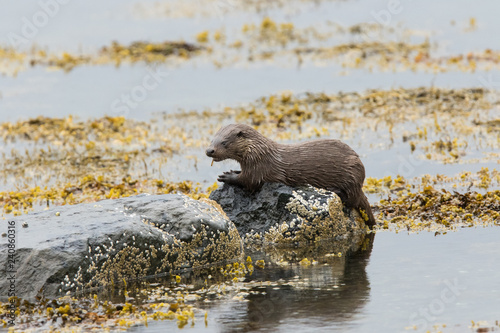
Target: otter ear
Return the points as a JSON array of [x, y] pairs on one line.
[[240, 134]]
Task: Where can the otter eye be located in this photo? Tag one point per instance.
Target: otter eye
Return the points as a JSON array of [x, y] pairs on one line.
[[240, 134], [224, 143]]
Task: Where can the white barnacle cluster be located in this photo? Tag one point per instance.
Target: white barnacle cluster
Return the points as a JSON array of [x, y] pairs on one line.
[[274, 235], [307, 208], [147, 221], [335, 208], [206, 247], [136, 256], [283, 227], [127, 209], [67, 283], [114, 261], [315, 219]]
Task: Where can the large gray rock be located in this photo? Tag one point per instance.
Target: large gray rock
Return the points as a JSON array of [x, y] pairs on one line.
[[71, 248], [281, 214]]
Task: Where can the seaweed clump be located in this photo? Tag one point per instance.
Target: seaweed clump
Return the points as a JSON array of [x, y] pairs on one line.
[[90, 189], [149, 52], [448, 210], [117, 53]]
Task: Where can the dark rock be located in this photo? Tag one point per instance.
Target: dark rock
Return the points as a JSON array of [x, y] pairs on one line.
[[282, 214], [70, 248], [254, 211]]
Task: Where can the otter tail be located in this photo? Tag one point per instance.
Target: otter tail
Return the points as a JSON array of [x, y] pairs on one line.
[[366, 211]]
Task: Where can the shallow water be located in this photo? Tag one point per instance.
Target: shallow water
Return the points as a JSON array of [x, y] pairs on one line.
[[93, 91], [408, 279], [90, 91]]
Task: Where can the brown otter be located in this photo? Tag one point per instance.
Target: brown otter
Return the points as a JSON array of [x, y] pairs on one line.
[[327, 164]]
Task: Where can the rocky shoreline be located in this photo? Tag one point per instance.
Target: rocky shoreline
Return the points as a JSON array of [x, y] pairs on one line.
[[68, 249]]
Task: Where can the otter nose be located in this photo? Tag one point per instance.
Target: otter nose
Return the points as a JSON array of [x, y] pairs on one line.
[[210, 152]]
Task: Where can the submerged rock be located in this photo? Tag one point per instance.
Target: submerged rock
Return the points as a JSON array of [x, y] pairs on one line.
[[280, 214], [76, 247]]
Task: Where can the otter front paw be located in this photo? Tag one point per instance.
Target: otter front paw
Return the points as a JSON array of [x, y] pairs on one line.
[[230, 177]]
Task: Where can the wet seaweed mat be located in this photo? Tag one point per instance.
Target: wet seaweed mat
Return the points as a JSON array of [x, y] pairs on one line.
[[68, 161]]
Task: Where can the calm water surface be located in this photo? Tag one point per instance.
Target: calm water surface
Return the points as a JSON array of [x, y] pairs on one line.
[[405, 280]]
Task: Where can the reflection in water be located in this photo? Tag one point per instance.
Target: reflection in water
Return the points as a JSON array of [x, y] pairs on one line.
[[331, 292]]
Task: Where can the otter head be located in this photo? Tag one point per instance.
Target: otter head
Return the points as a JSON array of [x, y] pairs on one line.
[[230, 142]]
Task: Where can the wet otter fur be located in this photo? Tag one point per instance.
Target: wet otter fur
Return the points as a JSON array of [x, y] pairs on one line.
[[327, 164]]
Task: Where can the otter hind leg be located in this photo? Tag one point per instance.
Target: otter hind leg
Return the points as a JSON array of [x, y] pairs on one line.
[[359, 202], [346, 204], [364, 207], [341, 193]]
